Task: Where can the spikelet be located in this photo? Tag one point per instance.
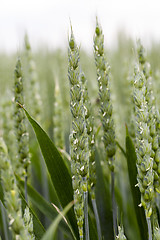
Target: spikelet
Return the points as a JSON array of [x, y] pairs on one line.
[[8, 128], [143, 144], [19, 229], [78, 137], [153, 116], [121, 235], [22, 136], [34, 99], [28, 222], [89, 119], [156, 232], [103, 72]]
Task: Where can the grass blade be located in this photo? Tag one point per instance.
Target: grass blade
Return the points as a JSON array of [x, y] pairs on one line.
[[7, 233], [51, 232], [45, 207], [37, 225], [57, 169]]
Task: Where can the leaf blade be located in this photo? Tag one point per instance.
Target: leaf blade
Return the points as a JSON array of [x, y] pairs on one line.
[[45, 207], [51, 232], [57, 169], [38, 228]]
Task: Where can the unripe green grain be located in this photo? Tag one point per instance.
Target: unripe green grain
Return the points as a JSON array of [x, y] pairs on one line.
[[156, 233], [121, 235], [103, 75], [12, 201], [143, 146], [78, 139], [103, 72], [23, 159], [153, 116], [28, 222], [34, 99], [89, 119], [91, 135], [8, 128]]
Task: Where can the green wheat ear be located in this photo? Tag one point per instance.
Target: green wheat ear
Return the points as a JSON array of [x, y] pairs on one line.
[[143, 144], [33, 93], [153, 116], [8, 127], [121, 235], [78, 138], [103, 78], [22, 136], [19, 228], [89, 119], [103, 75]]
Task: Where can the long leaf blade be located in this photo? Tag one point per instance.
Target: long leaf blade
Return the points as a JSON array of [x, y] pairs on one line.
[[7, 233], [51, 232], [57, 169], [38, 228], [45, 207]]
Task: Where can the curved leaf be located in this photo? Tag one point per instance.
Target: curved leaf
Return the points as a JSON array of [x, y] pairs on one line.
[[121, 148], [57, 169], [45, 207], [38, 228], [51, 232], [132, 171], [5, 224]]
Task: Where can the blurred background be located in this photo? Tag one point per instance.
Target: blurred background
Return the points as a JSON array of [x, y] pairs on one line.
[[45, 66], [47, 21]]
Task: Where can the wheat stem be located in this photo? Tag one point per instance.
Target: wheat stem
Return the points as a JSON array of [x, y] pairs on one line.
[[25, 188], [149, 229], [85, 195], [97, 218], [113, 204]]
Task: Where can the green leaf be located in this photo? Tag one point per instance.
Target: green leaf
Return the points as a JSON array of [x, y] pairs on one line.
[[1, 190], [92, 229], [121, 148], [132, 171], [38, 228], [51, 232], [7, 233], [45, 207], [103, 199], [57, 169]]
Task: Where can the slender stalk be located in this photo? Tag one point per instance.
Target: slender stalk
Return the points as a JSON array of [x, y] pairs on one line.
[[97, 218], [25, 188], [114, 210], [85, 195], [149, 229], [45, 189]]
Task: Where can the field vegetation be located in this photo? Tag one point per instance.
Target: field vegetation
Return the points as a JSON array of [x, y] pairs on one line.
[[80, 142]]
